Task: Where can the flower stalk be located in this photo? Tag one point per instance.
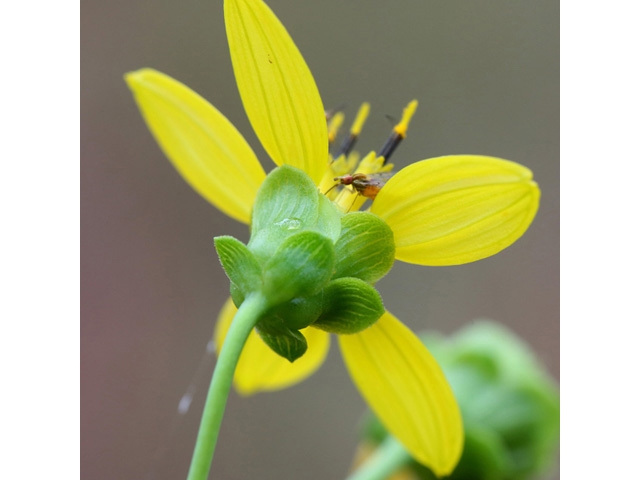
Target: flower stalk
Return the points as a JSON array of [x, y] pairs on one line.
[[243, 323]]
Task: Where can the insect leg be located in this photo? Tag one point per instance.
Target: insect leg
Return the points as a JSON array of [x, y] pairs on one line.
[[334, 186], [352, 203]]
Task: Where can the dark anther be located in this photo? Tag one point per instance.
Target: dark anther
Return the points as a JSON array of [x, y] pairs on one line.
[[390, 145], [347, 145]]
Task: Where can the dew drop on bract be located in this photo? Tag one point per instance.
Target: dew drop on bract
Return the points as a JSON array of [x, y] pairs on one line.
[[289, 224]]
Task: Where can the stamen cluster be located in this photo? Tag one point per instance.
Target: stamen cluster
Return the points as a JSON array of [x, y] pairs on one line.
[[346, 161]]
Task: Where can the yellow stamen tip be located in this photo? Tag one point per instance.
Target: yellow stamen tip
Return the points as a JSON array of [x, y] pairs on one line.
[[361, 117], [334, 126], [407, 113]]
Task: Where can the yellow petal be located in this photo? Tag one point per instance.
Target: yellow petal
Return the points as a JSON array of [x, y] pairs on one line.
[[277, 89], [202, 144], [457, 209], [407, 390], [259, 368]]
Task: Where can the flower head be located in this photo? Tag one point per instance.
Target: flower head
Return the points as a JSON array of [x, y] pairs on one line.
[[442, 211]]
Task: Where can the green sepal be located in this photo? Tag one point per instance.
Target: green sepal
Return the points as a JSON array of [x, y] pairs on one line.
[[365, 249], [300, 312], [301, 266], [287, 203], [239, 264], [349, 306], [287, 199], [284, 341]]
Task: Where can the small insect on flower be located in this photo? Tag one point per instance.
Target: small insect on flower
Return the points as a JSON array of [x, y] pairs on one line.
[[367, 185]]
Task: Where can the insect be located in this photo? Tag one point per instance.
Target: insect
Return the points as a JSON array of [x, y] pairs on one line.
[[367, 185]]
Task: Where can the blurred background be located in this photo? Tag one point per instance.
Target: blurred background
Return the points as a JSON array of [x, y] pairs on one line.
[[486, 74]]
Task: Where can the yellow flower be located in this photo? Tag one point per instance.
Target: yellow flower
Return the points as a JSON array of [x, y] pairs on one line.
[[442, 211]]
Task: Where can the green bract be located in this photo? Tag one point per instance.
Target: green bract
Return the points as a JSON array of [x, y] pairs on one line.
[[286, 203], [349, 306], [238, 262], [301, 266], [365, 248], [313, 265], [286, 342]]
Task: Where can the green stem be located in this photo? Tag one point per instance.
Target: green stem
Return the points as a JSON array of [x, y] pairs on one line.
[[387, 459], [248, 315]]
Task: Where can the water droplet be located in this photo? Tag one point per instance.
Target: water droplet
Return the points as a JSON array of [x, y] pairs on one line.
[[289, 224]]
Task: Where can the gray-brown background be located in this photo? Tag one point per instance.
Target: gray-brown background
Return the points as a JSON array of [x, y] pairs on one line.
[[486, 74]]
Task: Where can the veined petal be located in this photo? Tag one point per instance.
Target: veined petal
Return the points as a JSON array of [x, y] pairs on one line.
[[277, 89], [457, 209], [202, 144], [259, 368], [407, 390]]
